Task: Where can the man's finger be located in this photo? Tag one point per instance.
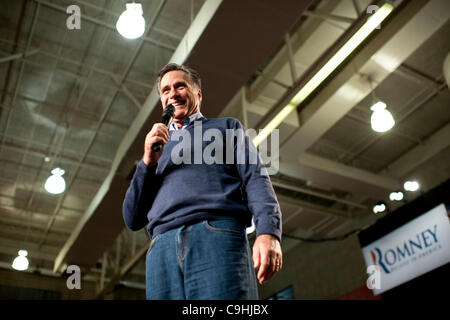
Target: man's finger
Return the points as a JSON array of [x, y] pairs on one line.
[[274, 263], [264, 265], [159, 132], [159, 139], [270, 269], [256, 261]]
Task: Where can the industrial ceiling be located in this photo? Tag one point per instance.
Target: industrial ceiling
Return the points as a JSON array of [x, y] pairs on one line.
[[83, 100]]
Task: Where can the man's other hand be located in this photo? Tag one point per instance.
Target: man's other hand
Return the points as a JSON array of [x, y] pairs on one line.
[[267, 256]]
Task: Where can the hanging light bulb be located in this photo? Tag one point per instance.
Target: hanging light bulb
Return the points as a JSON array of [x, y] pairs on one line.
[[21, 262], [381, 119], [131, 23], [56, 184], [380, 207], [411, 186], [396, 196]]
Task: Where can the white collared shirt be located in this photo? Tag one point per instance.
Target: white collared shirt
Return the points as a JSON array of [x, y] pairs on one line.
[[192, 117]]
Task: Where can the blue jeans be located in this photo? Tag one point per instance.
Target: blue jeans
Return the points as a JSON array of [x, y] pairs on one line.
[[208, 260]]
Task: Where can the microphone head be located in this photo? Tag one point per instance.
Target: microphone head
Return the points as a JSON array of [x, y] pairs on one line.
[[168, 114], [169, 110]]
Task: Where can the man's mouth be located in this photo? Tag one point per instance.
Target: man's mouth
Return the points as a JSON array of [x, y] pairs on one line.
[[178, 104]]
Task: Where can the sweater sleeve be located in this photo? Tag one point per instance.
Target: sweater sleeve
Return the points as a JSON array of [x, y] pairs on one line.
[[139, 197], [261, 199]]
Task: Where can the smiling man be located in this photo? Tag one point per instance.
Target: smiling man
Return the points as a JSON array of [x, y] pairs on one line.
[[197, 214], [184, 94]]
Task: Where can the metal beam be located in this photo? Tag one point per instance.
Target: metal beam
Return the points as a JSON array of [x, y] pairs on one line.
[[118, 251], [89, 277], [257, 109], [378, 180], [316, 194], [436, 143], [330, 214], [11, 215], [56, 107], [298, 39], [17, 232], [417, 76], [287, 41], [33, 169], [19, 222], [357, 6], [127, 92], [11, 247], [79, 64], [14, 143], [103, 273], [319, 209], [86, 80], [18, 56], [244, 107], [32, 255], [128, 266], [328, 17]]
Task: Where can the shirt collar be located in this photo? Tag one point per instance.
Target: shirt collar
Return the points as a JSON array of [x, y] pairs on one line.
[[189, 120]]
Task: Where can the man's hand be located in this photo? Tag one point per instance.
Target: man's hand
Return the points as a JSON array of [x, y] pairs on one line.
[[159, 133], [267, 256]]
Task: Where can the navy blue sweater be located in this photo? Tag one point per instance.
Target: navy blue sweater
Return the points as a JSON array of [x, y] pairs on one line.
[[170, 194]]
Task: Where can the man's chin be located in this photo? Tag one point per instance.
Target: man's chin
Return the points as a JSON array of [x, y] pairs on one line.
[[180, 114]]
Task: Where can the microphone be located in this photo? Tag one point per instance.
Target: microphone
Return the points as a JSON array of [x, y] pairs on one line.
[[167, 116]]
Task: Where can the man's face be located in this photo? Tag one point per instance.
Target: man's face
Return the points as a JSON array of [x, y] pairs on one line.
[[176, 89]]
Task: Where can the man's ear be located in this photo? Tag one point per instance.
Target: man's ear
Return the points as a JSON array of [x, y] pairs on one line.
[[199, 94]]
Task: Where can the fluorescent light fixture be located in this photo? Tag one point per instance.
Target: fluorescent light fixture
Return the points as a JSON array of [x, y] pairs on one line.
[[131, 23], [411, 186], [274, 123], [326, 70], [381, 119], [21, 262]]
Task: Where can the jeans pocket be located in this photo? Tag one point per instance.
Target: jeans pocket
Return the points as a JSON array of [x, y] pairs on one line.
[[225, 226], [152, 244]]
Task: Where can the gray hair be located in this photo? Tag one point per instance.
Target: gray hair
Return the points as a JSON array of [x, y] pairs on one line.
[[194, 77]]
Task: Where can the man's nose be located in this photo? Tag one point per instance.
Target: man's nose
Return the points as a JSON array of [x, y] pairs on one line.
[[173, 93]]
